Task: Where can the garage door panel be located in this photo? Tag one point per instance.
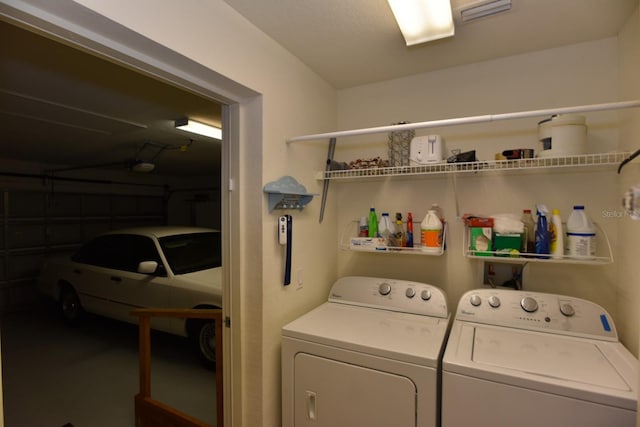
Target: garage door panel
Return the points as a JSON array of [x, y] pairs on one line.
[[26, 236], [64, 205], [40, 223], [60, 234]]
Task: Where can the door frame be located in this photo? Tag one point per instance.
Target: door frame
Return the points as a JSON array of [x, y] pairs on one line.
[[70, 23]]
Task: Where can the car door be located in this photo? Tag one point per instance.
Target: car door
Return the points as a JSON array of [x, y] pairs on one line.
[[92, 269], [127, 288]]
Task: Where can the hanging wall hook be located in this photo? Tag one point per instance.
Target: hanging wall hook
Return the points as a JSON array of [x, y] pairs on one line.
[[628, 159]]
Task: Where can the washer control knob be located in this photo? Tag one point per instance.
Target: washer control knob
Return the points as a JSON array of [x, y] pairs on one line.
[[384, 288], [494, 301], [567, 309], [529, 304], [475, 300], [410, 293], [425, 295]]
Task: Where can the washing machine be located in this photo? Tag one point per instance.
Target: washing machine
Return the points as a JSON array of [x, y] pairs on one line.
[[369, 356], [528, 359]]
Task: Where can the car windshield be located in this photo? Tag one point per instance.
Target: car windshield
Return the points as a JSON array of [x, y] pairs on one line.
[[187, 253]]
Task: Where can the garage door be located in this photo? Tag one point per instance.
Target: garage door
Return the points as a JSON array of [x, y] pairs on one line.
[[36, 224]]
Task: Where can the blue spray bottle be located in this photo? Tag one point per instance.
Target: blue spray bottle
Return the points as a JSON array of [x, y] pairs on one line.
[[542, 232]]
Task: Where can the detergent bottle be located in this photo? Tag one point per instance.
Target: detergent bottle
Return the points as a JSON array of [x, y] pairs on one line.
[[581, 234], [431, 232]]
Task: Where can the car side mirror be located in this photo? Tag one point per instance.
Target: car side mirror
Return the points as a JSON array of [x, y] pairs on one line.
[[147, 267]]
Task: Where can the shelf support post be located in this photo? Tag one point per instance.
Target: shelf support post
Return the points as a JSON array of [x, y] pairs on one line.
[[325, 188]]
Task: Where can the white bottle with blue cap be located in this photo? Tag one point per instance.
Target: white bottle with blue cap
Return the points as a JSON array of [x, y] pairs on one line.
[[581, 234]]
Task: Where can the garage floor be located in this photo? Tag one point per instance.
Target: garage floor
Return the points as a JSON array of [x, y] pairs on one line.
[[53, 374]]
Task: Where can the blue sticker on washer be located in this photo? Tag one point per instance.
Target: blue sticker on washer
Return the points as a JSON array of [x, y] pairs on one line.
[[605, 323]]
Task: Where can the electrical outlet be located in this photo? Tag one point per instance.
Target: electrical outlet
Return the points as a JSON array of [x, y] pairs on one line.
[[503, 274], [299, 277]]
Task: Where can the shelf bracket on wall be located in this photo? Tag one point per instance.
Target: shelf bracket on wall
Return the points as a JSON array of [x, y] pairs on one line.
[[286, 193], [325, 188]]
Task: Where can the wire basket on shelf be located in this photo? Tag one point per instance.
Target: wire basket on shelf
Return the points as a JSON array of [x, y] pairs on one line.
[[400, 146]]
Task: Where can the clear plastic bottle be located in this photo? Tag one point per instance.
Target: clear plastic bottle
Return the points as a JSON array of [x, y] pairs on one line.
[[399, 238], [556, 235], [431, 232], [529, 238], [386, 229], [363, 227], [373, 223], [581, 234]]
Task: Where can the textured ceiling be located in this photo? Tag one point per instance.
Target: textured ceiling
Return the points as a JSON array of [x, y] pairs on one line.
[[355, 42]]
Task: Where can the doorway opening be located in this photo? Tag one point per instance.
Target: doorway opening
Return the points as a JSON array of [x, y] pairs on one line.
[[163, 66]]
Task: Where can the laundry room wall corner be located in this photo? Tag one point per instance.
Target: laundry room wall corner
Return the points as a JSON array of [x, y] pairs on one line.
[[629, 231]]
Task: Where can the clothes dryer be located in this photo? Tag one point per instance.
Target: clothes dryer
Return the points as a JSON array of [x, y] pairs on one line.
[[528, 359], [369, 356]]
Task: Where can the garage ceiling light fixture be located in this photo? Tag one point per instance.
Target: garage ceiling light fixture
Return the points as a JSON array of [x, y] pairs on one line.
[[421, 21], [199, 128]]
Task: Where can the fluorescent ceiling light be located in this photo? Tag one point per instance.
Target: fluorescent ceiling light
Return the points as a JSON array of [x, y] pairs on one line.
[[485, 8], [421, 21], [199, 128]]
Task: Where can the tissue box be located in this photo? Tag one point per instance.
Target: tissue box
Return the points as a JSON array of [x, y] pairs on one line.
[[507, 244], [480, 240]]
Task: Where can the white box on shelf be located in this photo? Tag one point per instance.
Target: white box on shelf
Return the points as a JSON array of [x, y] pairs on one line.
[[368, 243]]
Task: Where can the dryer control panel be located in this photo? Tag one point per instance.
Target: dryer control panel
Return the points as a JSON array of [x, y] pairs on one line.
[[537, 311], [390, 294]]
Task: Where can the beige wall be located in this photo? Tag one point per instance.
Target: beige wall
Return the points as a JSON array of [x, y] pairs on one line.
[[629, 232], [212, 34], [586, 73]]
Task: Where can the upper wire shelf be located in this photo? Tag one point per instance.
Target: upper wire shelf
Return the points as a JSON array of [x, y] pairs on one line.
[[575, 161]]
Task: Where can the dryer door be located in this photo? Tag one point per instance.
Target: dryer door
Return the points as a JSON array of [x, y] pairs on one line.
[[330, 393]]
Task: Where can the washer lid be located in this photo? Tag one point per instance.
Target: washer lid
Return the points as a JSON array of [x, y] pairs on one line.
[[592, 370], [579, 361], [399, 336]]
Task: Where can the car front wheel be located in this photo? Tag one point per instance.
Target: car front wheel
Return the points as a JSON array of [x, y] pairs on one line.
[[204, 340], [70, 307]]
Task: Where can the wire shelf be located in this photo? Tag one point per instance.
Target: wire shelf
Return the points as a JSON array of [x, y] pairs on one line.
[[351, 231], [604, 254], [576, 161]]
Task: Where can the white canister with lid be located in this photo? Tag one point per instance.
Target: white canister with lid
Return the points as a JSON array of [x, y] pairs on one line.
[[562, 135]]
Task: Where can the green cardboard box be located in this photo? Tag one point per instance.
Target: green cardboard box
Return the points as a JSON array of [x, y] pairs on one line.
[[507, 244]]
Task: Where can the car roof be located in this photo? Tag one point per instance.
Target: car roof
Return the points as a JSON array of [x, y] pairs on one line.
[[162, 231]]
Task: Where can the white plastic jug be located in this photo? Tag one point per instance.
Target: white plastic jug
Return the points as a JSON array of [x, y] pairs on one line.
[[581, 234], [431, 232]]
